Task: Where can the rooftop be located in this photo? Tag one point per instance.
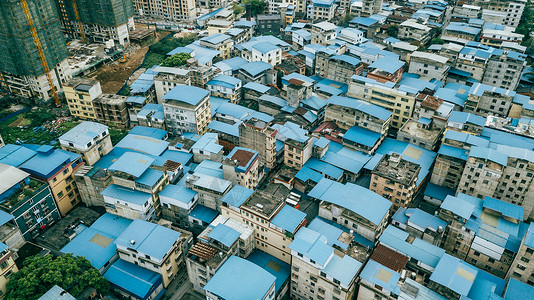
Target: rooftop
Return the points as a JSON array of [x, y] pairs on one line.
[[83, 133], [191, 95], [397, 169], [132, 278]]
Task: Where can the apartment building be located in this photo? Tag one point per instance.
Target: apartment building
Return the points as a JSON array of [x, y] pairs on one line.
[[353, 207], [128, 203], [266, 52], [386, 69], [370, 7], [322, 33], [224, 86], [81, 94], [339, 68], [521, 268], [268, 24], [502, 69], [257, 135], [90, 139], [28, 200], [187, 109], [429, 65], [111, 110], [297, 151], [175, 10], [411, 30], [90, 181], [401, 102], [136, 245], [395, 179], [177, 202], [219, 26], [487, 100], [512, 10], [274, 222], [318, 262], [167, 78], [210, 189], [220, 42], [347, 112], [321, 10], [241, 167], [8, 266], [495, 34], [462, 32]]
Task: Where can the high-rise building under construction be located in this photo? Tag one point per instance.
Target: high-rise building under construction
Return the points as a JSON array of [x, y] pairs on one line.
[[31, 43], [97, 20]]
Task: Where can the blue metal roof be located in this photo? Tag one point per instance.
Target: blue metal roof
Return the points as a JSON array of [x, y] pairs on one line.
[[344, 158], [203, 213], [324, 168], [346, 58], [143, 144], [178, 193], [149, 132], [331, 231], [5, 217], [363, 21], [438, 192], [225, 81], [312, 245], [210, 168], [489, 154], [132, 163], [479, 89], [240, 279], [234, 63], [464, 117], [387, 64], [371, 273], [425, 220], [273, 265], [126, 194], [363, 106], [15, 155], [273, 99], [362, 136], [258, 87], [305, 174], [216, 38], [136, 99], [464, 28], [107, 226], [224, 234], [256, 67], [529, 237], [237, 195], [506, 209], [265, 47], [454, 274], [289, 218], [48, 161], [133, 279], [150, 239], [150, 177], [355, 198], [178, 50], [418, 249], [84, 133], [467, 138], [191, 95], [314, 103], [208, 143], [463, 205], [343, 269], [518, 290], [226, 128]]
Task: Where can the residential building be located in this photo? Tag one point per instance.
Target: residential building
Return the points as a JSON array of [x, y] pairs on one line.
[[187, 109], [112, 110], [512, 10], [420, 224], [220, 42], [225, 86], [28, 200], [167, 78], [136, 245], [90, 139], [370, 7], [325, 262], [22, 70], [266, 52], [321, 10], [8, 266], [353, 207], [175, 10], [461, 32], [395, 179], [177, 202], [257, 135], [502, 69], [241, 166], [411, 30], [81, 94], [347, 112], [484, 100], [429, 65], [207, 148], [496, 34], [135, 104], [258, 72], [298, 146], [238, 278], [339, 68], [90, 181], [423, 133], [274, 222], [323, 32], [219, 26], [268, 24], [151, 115], [386, 69], [521, 268], [210, 189], [395, 98], [98, 21], [128, 203]]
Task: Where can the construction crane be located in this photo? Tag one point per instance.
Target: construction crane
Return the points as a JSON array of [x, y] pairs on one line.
[[78, 20], [40, 51]]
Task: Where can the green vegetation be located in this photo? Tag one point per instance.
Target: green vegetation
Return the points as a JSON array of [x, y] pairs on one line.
[[116, 135], [437, 41], [526, 25], [25, 192], [344, 22], [238, 9], [257, 6], [125, 91], [158, 52], [177, 60], [392, 31], [40, 273]]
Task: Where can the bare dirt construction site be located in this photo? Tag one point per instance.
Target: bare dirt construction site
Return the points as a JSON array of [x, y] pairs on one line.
[[113, 76]]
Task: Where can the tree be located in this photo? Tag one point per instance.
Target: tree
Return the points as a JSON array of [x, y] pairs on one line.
[[344, 22], [257, 6], [437, 41], [238, 9], [40, 273], [392, 30], [176, 60]]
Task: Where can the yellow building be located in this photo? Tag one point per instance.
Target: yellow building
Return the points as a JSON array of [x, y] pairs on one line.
[[80, 94], [7, 267]]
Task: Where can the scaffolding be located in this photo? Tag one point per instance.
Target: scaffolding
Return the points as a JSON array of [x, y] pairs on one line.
[[40, 51]]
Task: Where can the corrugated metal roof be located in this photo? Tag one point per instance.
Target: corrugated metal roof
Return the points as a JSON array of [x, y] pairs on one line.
[[133, 278], [191, 95], [289, 218], [83, 133], [126, 194], [224, 234], [132, 163], [382, 276]]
